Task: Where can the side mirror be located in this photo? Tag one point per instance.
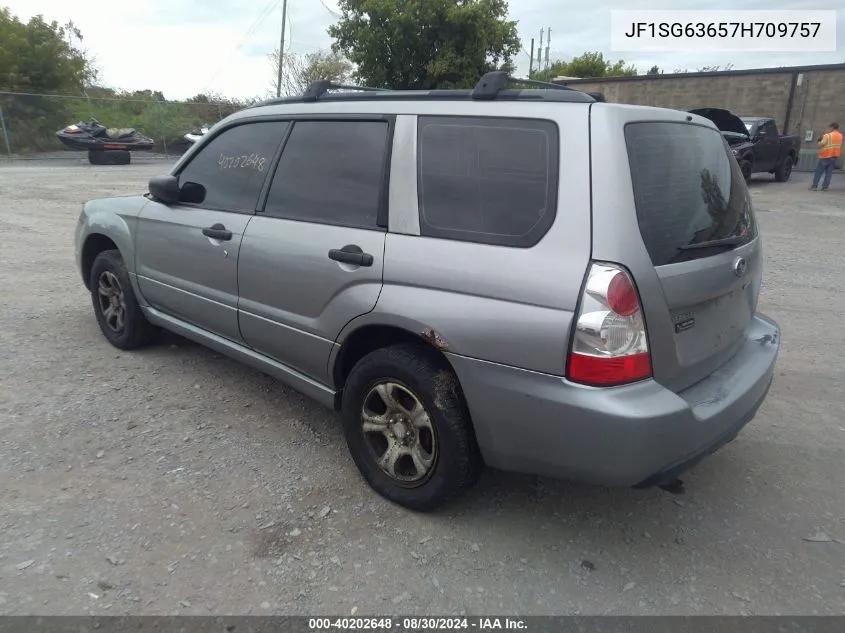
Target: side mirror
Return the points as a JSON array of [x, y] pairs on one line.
[[165, 189], [192, 193]]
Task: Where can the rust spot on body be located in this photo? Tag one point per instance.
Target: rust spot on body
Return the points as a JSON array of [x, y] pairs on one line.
[[435, 339]]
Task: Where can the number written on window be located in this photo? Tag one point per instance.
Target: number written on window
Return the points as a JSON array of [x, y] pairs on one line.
[[251, 161], [233, 165]]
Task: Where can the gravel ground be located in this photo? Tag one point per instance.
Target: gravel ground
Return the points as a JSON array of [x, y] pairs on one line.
[[173, 480]]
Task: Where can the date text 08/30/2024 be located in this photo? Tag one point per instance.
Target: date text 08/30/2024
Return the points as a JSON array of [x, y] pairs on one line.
[[413, 624]]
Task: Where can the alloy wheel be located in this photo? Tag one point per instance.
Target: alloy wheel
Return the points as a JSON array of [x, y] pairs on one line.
[[399, 433], [112, 301]]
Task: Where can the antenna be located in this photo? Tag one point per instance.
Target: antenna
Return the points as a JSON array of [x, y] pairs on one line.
[[540, 52], [548, 46]]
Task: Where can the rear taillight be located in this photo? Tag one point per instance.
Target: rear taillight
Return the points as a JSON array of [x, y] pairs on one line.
[[609, 345]]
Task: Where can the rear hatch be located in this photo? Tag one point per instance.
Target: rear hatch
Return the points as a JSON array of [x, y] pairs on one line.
[[690, 242]]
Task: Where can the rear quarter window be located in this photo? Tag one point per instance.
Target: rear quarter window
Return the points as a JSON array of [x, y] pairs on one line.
[[688, 189], [487, 180]]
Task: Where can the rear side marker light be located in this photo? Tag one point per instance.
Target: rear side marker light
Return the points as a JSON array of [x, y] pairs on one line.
[[610, 343]]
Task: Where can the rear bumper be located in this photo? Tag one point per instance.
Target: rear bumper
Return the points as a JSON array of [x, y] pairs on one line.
[[672, 471], [633, 435]]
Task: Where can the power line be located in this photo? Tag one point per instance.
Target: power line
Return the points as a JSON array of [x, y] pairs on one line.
[[333, 13], [265, 13], [301, 46]]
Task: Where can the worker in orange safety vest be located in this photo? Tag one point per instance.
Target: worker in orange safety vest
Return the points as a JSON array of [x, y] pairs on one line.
[[830, 150]]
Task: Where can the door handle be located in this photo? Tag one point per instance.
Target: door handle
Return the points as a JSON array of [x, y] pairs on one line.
[[217, 232], [351, 254]]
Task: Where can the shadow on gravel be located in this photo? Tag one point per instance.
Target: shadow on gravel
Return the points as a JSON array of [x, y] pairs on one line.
[[798, 181], [497, 493]]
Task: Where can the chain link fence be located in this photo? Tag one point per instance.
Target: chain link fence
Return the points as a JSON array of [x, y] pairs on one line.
[[29, 122]]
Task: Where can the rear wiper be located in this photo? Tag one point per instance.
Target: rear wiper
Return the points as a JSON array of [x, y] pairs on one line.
[[725, 241]]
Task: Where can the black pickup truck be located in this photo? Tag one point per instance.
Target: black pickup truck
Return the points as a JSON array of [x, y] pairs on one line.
[[756, 143]]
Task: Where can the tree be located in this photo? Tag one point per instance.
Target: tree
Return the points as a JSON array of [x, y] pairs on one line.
[[300, 70], [588, 65], [425, 44], [73, 34], [654, 70], [704, 69], [42, 59], [208, 108], [37, 57]]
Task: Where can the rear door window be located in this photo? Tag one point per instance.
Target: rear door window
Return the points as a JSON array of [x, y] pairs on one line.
[[487, 180], [688, 191], [332, 172]]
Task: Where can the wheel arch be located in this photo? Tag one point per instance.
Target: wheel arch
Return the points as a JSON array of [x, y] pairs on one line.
[[95, 243], [363, 336], [107, 224]]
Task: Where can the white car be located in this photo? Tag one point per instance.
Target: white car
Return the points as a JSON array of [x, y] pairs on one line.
[[194, 135]]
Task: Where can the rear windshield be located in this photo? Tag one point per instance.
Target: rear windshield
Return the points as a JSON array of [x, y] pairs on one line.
[[688, 189]]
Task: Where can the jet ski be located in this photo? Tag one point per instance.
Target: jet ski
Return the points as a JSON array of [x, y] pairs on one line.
[[194, 135], [93, 136]]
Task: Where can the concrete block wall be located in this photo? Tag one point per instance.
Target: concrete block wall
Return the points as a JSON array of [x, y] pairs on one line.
[[766, 96], [819, 96], [819, 100]]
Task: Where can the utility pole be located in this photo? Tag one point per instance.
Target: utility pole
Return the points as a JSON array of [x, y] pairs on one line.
[[282, 49], [531, 65]]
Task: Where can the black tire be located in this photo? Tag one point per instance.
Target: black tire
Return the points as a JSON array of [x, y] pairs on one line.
[[747, 170], [456, 462], [133, 331], [784, 170], [109, 157]]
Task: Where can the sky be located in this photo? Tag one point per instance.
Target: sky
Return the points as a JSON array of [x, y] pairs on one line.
[[184, 47]]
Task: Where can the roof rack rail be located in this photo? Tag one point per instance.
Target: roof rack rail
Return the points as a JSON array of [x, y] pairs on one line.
[[491, 86], [492, 83], [314, 91], [318, 88]]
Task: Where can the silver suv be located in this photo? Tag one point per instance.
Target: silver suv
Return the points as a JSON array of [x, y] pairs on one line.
[[525, 278]]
